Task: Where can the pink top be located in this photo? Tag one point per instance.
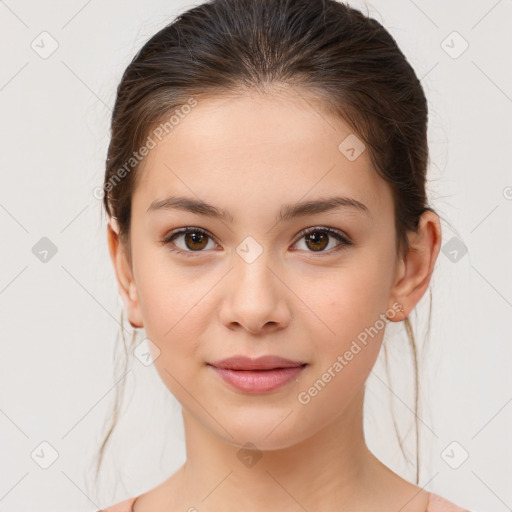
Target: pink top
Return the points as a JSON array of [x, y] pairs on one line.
[[435, 504]]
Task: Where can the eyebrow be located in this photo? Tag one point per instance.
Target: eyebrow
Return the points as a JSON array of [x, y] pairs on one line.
[[288, 211]]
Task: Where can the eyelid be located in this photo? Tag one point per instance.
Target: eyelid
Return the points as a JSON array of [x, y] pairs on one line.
[[331, 231], [181, 231], [343, 239]]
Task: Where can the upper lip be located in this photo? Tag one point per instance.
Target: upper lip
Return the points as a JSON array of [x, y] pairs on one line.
[[268, 362]]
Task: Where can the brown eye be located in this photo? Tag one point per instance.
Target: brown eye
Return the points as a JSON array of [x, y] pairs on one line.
[[317, 239], [194, 240]]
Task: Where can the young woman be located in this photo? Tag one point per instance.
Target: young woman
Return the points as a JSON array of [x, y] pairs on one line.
[[265, 189]]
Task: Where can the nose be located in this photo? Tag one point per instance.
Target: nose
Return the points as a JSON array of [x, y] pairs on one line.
[[255, 298]]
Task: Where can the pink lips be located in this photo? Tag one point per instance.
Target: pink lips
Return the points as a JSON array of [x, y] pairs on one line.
[[259, 375]]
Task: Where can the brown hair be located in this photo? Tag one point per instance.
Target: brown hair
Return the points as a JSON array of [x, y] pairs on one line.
[[347, 60]]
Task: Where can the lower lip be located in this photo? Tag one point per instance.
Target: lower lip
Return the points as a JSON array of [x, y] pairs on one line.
[[258, 381]]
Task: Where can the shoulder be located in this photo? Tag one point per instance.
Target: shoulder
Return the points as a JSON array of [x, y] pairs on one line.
[[439, 504], [122, 506]]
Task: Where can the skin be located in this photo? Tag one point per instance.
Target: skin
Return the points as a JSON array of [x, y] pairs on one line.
[[250, 154]]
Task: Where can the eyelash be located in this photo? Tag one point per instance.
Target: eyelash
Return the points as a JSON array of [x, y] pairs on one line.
[[344, 241]]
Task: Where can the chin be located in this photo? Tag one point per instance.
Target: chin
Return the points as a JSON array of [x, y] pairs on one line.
[[266, 431]]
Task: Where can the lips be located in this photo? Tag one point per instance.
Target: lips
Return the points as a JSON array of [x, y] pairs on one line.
[[268, 362], [260, 375]]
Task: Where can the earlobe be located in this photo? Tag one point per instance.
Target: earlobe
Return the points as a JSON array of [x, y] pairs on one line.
[[415, 269], [124, 275]]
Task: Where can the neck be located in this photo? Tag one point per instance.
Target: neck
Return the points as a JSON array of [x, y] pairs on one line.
[[332, 466]]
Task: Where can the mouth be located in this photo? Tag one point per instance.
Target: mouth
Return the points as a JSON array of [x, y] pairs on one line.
[[267, 362], [260, 375]]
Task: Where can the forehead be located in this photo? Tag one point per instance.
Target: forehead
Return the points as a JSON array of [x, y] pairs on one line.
[[253, 150]]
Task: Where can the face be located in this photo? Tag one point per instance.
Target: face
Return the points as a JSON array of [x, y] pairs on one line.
[[311, 287]]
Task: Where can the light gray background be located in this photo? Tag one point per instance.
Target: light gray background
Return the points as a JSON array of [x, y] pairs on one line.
[[60, 318]]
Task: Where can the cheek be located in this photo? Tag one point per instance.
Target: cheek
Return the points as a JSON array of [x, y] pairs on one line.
[[168, 294], [352, 297], [171, 304], [173, 316], [351, 305], [353, 313], [174, 320]]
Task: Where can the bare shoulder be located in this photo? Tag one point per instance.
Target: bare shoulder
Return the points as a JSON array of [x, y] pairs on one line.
[[160, 497], [439, 504], [122, 506]]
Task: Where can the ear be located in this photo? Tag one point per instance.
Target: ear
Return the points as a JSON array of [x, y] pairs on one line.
[[124, 275], [415, 268]]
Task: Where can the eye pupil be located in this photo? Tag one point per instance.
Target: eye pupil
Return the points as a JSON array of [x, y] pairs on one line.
[[316, 240], [196, 238], [323, 239]]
